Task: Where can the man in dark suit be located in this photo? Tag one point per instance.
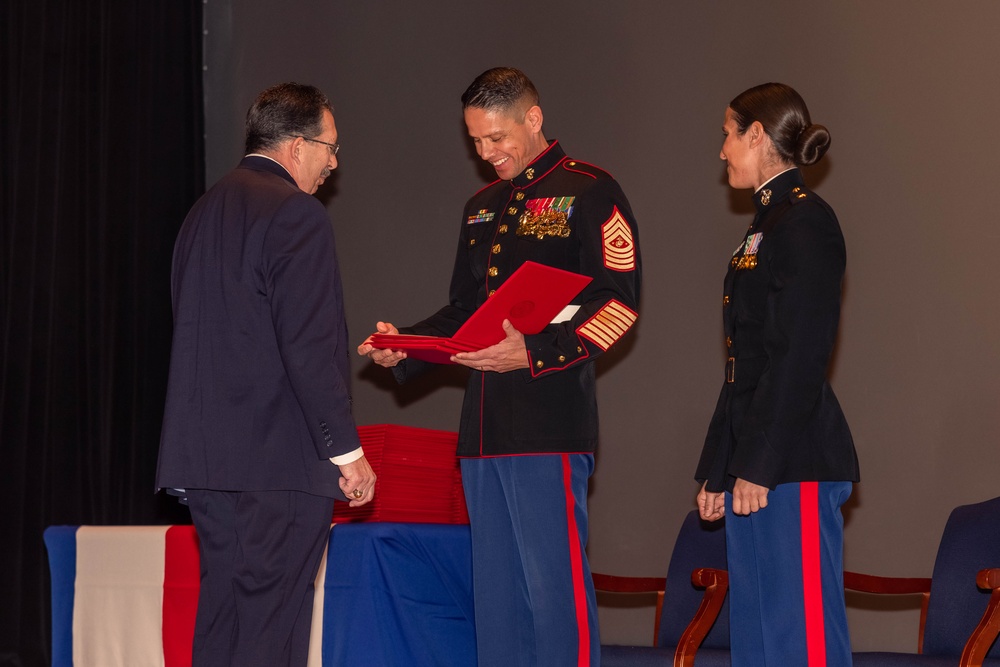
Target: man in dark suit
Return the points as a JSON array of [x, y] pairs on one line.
[[257, 428]]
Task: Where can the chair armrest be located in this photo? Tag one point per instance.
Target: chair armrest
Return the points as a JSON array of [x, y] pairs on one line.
[[986, 632], [609, 583], [870, 583], [716, 585]]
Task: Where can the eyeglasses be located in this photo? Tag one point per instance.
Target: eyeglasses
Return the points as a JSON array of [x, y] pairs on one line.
[[333, 147]]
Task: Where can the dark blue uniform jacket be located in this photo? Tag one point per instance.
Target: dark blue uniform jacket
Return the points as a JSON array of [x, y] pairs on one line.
[[570, 215], [777, 419]]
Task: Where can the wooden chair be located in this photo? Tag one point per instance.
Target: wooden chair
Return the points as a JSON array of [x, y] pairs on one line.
[[957, 620], [698, 544]]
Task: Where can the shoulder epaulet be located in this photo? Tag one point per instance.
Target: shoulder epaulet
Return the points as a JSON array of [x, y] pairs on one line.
[[584, 168], [799, 194]]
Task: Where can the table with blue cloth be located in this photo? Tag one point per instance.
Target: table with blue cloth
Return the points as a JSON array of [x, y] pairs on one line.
[[399, 594], [392, 594]]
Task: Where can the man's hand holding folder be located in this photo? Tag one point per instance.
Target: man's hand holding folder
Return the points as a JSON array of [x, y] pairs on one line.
[[491, 339]]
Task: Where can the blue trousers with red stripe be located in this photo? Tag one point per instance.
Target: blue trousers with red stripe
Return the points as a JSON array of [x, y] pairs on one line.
[[786, 578], [534, 598]]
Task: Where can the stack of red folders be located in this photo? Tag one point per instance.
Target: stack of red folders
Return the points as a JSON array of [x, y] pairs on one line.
[[418, 477]]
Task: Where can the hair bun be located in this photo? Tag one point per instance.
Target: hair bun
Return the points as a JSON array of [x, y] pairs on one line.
[[812, 144]]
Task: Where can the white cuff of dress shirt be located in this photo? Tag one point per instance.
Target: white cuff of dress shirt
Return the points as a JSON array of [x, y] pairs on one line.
[[349, 457]]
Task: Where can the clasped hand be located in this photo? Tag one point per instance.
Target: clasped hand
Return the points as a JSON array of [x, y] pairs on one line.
[[747, 498], [357, 476]]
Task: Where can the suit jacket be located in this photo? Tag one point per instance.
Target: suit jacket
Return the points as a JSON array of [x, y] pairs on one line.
[[777, 419], [563, 213], [257, 397]]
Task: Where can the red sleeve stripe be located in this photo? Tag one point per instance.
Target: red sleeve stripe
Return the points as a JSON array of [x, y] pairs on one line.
[[608, 325]]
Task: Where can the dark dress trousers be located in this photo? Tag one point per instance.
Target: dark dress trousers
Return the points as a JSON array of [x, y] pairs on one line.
[[777, 419]]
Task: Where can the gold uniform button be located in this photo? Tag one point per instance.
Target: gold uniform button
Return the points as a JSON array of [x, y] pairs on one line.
[[492, 292], [519, 196], [572, 164], [503, 229], [562, 358], [729, 341], [472, 242], [496, 249], [493, 272], [725, 300], [579, 350], [512, 210], [796, 189], [539, 363]]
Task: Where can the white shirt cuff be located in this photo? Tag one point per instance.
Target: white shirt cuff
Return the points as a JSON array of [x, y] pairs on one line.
[[349, 457]]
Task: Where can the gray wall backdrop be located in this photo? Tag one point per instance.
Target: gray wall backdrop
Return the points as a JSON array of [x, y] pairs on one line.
[[909, 92]]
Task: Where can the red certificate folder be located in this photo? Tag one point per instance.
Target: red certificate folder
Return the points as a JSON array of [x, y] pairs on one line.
[[530, 299]]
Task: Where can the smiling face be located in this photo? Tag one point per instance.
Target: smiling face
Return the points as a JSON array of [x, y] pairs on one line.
[[317, 159], [507, 140], [741, 165]]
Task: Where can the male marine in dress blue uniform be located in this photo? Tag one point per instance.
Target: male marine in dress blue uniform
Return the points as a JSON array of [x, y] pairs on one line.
[[528, 432]]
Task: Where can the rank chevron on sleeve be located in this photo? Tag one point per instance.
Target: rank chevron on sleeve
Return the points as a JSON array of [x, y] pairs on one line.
[[619, 247]]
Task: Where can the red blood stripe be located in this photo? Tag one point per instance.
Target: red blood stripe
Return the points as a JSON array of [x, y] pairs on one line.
[[181, 581], [482, 401], [576, 568], [812, 581]]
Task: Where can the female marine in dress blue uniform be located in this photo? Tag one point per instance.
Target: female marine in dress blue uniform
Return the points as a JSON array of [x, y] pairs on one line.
[[779, 458]]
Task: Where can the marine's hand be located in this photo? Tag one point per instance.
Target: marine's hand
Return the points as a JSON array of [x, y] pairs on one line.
[[711, 505], [358, 475], [748, 497], [507, 355], [385, 358]]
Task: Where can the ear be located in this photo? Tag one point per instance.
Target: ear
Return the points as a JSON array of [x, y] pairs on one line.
[[756, 134], [533, 118], [295, 148]]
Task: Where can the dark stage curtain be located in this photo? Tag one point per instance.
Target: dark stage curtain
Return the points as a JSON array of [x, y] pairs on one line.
[[102, 154]]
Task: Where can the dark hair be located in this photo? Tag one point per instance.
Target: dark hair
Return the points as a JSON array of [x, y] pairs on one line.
[[500, 89], [283, 111], [785, 118]]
